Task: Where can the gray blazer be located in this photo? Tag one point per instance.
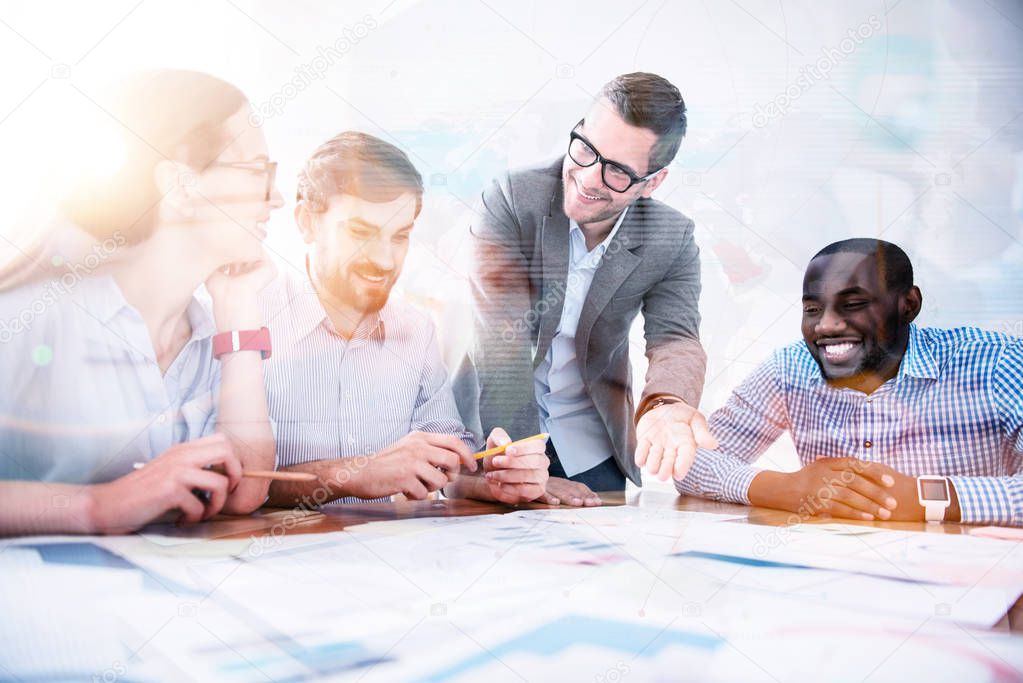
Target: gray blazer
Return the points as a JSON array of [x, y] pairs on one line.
[[520, 245]]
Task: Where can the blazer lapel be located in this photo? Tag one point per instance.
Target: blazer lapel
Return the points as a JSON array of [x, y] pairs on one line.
[[554, 251], [615, 267]]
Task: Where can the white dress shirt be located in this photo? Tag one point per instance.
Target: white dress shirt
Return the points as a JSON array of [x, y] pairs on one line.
[[84, 398]]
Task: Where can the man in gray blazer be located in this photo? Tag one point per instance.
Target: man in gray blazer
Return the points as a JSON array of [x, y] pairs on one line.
[[566, 254]]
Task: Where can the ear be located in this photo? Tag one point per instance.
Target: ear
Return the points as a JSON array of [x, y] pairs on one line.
[[176, 184], [306, 222], [910, 305], [653, 183]]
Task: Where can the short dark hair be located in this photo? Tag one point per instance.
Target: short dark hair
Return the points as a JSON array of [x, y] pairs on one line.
[[358, 164], [892, 262], [650, 101]]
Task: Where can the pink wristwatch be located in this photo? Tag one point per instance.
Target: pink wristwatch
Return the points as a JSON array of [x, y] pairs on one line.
[[242, 340]]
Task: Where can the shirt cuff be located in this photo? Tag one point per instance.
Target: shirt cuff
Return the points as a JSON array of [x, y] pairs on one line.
[[989, 500], [718, 478], [735, 486]]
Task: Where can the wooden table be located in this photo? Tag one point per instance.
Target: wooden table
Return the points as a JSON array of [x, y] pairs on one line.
[[339, 518]]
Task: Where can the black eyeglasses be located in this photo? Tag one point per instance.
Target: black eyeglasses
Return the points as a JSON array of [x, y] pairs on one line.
[[615, 176], [261, 166]]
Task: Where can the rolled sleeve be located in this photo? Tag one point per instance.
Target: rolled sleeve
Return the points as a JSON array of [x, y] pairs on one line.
[[990, 500], [751, 420], [719, 477]]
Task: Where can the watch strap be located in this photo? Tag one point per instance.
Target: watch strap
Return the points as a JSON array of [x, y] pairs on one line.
[[242, 340], [657, 402], [934, 510]]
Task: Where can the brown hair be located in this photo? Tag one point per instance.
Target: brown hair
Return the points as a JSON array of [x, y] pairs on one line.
[[358, 164], [650, 101], [163, 114]]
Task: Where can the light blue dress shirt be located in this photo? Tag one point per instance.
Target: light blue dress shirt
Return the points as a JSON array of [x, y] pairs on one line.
[[566, 410], [83, 397]]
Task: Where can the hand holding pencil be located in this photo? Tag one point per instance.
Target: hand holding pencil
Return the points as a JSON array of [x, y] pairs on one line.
[[166, 484], [497, 450], [515, 471]]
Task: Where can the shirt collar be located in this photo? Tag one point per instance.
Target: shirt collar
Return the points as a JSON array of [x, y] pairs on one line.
[[579, 239], [918, 361], [307, 311], [103, 299]]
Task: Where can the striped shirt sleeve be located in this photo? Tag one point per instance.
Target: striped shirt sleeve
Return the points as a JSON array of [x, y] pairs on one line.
[[750, 421], [999, 500]]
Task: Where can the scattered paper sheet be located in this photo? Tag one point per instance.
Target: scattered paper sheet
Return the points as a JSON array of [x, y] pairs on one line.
[[570, 593]]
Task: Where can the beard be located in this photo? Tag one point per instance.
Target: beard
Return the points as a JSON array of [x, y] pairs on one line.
[[880, 353], [344, 287], [874, 359]]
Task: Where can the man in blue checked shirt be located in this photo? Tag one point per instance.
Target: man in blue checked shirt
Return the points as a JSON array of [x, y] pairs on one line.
[[874, 403]]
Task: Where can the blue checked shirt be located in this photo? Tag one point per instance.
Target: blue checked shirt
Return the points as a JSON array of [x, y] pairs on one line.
[[955, 408]]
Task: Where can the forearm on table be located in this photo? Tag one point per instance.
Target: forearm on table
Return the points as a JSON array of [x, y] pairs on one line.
[[720, 477], [770, 489], [242, 417], [332, 479], [44, 508]]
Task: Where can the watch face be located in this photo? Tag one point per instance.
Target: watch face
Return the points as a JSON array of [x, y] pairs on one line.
[[934, 489]]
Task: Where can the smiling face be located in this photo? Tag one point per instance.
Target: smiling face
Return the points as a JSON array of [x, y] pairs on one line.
[[587, 200], [357, 249], [854, 326]]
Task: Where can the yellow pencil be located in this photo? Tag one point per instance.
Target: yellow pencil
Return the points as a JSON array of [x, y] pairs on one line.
[[497, 450], [259, 474]]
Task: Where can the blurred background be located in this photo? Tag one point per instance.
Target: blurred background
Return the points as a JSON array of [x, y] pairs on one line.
[[809, 122]]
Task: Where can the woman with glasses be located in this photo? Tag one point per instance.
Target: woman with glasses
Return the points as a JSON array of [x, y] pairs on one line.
[[126, 395]]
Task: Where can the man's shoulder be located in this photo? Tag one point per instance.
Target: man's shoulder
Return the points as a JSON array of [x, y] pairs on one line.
[[544, 174], [966, 336], [658, 216], [529, 186], [968, 346]]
